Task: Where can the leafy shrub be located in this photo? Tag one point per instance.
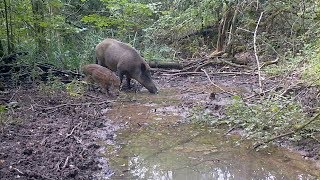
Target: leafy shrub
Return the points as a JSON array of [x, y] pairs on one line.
[[312, 72], [261, 121], [75, 88], [266, 118]]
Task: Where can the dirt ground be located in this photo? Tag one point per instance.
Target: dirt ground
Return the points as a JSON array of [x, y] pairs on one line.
[[53, 135]]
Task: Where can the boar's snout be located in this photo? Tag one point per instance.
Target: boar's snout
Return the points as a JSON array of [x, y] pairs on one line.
[[145, 79], [153, 90], [148, 84]]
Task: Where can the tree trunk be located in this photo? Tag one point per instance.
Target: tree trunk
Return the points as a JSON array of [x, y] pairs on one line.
[[11, 27], [224, 27], [38, 9], [9, 34], [1, 49], [229, 45]]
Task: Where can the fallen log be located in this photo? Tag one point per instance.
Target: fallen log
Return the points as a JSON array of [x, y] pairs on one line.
[[12, 57], [23, 73], [166, 65]]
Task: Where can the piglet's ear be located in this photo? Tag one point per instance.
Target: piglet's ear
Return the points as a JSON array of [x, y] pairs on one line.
[[143, 67]]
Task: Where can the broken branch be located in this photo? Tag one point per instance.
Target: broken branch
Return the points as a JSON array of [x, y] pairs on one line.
[[299, 128], [215, 84], [255, 52]]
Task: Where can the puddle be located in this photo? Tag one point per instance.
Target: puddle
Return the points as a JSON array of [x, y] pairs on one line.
[[144, 108], [155, 146], [189, 152]]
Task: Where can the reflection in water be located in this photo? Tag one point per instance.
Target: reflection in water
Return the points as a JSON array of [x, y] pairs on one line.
[[155, 147], [186, 152]]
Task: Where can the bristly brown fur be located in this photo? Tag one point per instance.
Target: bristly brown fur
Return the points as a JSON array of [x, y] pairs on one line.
[[102, 76], [126, 61]]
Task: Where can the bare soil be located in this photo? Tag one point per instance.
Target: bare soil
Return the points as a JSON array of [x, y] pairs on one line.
[[53, 135]]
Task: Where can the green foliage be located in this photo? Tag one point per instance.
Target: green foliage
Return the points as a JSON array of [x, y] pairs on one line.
[[285, 65], [5, 118], [53, 86], [310, 58], [312, 72], [198, 114], [75, 88], [265, 119], [153, 51], [124, 15], [3, 109], [185, 17], [260, 121]]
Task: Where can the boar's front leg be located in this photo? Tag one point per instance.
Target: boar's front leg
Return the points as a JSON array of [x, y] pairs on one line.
[[125, 73], [128, 81]]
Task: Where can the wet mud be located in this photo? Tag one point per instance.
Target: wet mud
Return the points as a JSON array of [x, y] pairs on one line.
[[58, 136]]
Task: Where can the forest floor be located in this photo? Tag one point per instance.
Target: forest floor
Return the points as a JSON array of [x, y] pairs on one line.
[[52, 135]]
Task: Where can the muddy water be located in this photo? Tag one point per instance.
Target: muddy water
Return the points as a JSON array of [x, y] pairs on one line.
[[156, 146]]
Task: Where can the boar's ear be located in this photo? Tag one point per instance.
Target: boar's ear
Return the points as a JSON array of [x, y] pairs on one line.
[[143, 67]]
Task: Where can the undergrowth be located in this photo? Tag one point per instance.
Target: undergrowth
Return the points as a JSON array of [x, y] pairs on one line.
[[54, 85], [73, 50], [312, 71], [6, 119], [265, 119], [262, 120]]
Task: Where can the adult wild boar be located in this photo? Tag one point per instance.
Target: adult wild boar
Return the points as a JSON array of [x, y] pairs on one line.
[[102, 76], [125, 60]]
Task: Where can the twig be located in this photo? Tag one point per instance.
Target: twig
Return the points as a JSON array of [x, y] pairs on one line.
[[16, 169], [30, 174], [77, 139], [14, 94], [256, 94], [216, 53], [203, 65], [290, 87], [57, 166], [215, 84], [220, 61], [25, 135], [66, 162], [255, 52], [73, 129], [215, 73], [299, 128], [78, 104], [231, 129], [269, 63], [234, 64], [91, 96]]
